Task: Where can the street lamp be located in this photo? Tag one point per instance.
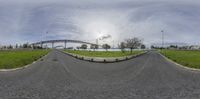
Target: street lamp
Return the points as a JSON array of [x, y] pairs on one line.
[[46, 38], [162, 31], [162, 38]]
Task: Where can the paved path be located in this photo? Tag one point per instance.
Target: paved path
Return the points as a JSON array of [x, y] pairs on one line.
[[60, 76]]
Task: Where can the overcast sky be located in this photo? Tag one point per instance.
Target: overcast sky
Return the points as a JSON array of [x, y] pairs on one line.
[[28, 20]]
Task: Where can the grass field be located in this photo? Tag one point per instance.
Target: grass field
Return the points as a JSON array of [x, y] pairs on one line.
[[186, 58], [18, 58], [103, 53]]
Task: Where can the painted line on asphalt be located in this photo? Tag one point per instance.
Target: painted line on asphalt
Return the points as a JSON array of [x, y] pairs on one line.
[[182, 66]]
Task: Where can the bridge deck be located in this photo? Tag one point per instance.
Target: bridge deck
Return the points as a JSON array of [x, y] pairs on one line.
[[62, 41]]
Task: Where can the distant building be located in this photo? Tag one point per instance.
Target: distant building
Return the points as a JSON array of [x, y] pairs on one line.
[[194, 47]]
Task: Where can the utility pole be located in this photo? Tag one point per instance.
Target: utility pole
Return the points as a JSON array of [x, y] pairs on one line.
[[113, 44], [162, 31], [97, 41], [46, 38], [162, 39]]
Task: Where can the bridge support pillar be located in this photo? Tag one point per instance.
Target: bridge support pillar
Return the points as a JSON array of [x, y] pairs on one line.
[[41, 44], [65, 44], [52, 45], [33, 46]]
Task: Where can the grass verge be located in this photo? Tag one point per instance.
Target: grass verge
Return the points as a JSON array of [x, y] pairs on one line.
[[187, 58], [18, 58], [103, 53]]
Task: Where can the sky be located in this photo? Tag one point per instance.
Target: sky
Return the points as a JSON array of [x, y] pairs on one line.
[[29, 20]]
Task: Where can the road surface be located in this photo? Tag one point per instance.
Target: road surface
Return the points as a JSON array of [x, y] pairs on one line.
[[60, 76]]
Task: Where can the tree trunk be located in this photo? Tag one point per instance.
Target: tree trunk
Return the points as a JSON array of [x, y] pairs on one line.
[[122, 50], [131, 50]]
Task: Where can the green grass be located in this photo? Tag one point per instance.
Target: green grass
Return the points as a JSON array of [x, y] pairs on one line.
[[103, 53], [18, 58], [187, 58]]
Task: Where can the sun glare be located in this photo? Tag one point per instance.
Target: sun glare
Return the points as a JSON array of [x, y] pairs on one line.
[[97, 29]]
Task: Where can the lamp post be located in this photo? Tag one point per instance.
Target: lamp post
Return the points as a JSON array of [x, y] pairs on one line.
[[113, 44], [162, 31], [162, 39], [46, 38]]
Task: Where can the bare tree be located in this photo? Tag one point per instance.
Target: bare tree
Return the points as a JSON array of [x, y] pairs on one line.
[[16, 46], [133, 43], [4, 47], [94, 46], [122, 46], [10, 47], [84, 46], [106, 46], [26, 45], [78, 47], [143, 46]]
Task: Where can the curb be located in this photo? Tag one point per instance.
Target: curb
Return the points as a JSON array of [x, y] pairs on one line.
[[23, 67], [182, 66], [103, 60]]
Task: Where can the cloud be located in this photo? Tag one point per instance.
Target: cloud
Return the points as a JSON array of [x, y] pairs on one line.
[[28, 21]]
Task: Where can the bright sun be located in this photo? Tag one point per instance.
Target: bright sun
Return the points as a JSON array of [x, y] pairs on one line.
[[93, 27], [98, 29]]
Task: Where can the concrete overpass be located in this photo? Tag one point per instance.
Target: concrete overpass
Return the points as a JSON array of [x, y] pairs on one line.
[[60, 41]]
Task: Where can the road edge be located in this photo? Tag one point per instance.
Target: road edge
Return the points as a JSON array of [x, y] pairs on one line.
[[182, 66], [23, 67]]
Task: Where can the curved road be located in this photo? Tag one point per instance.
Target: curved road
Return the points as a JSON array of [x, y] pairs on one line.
[[60, 76]]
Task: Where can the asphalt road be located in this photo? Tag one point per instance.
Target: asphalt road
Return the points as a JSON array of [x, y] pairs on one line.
[[60, 76]]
